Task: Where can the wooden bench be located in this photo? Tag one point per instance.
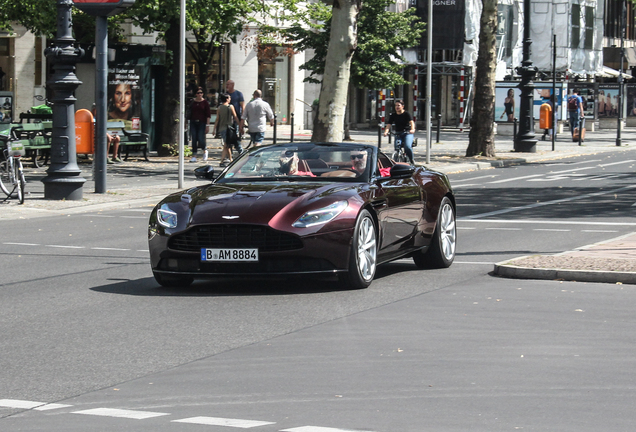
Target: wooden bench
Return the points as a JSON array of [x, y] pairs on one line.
[[37, 117], [130, 140]]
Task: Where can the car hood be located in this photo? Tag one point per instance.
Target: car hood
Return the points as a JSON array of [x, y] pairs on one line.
[[259, 203]]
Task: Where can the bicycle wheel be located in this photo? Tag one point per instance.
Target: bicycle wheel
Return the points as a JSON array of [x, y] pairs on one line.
[[5, 178], [19, 178]]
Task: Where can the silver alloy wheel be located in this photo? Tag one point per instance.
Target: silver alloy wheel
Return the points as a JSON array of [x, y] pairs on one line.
[[447, 233], [366, 249]]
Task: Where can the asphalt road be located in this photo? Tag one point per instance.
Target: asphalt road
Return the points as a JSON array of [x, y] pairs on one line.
[[85, 326]]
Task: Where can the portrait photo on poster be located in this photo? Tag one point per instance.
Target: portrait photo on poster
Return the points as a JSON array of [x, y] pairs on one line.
[[124, 96]]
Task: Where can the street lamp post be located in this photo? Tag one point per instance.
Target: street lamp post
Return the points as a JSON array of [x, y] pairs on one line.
[[63, 180], [524, 141], [620, 79]]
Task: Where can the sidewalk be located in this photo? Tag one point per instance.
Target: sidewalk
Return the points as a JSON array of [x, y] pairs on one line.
[[138, 182]]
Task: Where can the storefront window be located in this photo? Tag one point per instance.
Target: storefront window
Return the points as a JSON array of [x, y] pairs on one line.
[[273, 79]]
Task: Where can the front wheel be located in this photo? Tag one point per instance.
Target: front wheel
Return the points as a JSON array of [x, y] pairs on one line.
[[362, 258], [441, 252], [19, 176], [173, 281]]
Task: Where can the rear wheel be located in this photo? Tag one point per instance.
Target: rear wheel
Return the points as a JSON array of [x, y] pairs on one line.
[[441, 252], [173, 281], [362, 260], [5, 178]]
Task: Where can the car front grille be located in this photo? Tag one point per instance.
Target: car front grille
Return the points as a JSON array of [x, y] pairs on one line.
[[234, 236]]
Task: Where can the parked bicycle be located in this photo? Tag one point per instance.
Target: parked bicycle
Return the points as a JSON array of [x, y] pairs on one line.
[[12, 180]]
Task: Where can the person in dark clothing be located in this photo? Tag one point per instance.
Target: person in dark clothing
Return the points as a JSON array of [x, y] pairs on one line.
[[199, 124], [404, 128]]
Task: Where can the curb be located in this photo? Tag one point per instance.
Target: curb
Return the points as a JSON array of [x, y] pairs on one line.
[[509, 270]]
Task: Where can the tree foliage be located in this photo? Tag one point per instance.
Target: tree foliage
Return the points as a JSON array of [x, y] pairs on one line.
[[376, 63]]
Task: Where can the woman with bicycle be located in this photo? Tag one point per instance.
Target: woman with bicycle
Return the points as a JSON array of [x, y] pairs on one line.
[[404, 129]]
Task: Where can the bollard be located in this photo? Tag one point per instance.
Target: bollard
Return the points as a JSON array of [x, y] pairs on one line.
[[291, 139], [581, 120], [514, 129], [439, 126], [379, 136], [275, 123]]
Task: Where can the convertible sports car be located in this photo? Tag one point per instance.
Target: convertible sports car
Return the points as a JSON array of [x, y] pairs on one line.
[[321, 208]]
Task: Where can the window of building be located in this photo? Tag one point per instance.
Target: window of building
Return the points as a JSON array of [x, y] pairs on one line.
[[576, 26], [589, 27]]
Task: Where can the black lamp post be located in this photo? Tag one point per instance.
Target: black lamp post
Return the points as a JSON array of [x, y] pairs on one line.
[[524, 141], [63, 180]]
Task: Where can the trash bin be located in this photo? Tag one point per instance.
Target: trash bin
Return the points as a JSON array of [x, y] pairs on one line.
[[84, 132]]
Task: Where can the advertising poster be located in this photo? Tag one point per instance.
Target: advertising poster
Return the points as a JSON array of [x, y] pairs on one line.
[[6, 108], [607, 100], [507, 97], [631, 100], [124, 96], [542, 95]]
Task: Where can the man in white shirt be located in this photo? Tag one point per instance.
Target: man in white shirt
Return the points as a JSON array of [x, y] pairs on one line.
[[257, 112]]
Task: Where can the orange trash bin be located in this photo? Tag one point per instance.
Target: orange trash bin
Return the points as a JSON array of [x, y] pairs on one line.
[[545, 117], [84, 132]]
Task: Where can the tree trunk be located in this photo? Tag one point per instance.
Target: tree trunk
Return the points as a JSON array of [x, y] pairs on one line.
[[329, 123], [482, 136], [169, 98]]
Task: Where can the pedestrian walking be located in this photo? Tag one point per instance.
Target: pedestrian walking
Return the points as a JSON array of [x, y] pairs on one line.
[[199, 124], [575, 110], [225, 118], [238, 102], [256, 113]]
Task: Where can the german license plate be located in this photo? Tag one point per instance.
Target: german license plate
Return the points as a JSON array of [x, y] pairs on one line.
[[230, 255]]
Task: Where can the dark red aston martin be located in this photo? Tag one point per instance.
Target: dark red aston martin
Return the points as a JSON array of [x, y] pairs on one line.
[[330, 209]]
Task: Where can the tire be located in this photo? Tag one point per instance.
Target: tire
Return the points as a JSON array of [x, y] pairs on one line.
[[441, 252], [173, 281], [362, 258], [5, 178], [19, 176]]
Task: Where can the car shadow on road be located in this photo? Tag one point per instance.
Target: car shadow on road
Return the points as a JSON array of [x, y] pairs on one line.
[[223, 287]]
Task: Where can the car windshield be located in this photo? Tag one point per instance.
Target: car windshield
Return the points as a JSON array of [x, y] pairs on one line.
[[301, 162]]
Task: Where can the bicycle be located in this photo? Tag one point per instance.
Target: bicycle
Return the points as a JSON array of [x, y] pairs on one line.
[[400, 155], [11, 171]]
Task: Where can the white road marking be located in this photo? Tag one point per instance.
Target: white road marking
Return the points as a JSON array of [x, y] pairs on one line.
[[548, 222], [217, 421], [475, 178], [65, 247], [21, 244], [559, 172], [466, 185], [22, 404], [48, 407], [109, 249], [466, 228], [600, 231], [551, 229], [474, 262], [120, 413], [505, 229], [319, 429], [546, 203]]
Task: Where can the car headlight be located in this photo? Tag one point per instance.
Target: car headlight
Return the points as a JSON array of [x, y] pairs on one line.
[[320, 216], [167, 218]]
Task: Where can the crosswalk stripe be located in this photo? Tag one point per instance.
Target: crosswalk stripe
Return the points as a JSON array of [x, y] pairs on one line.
[[22, 404], [120, 413], [216, 421], [319, 429]]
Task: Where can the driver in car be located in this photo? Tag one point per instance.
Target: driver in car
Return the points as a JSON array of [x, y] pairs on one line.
[[359, 163], [289, 165]]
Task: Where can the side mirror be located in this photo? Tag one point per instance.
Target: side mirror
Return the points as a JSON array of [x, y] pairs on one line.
[[205, 172], [401, 170]]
